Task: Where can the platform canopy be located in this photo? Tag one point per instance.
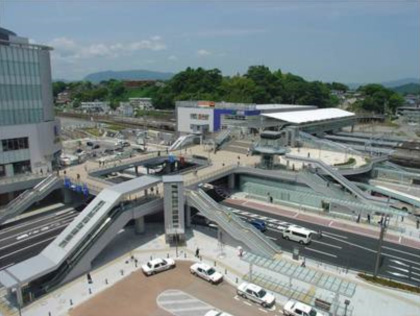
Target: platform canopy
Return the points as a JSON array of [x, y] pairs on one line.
[[301, 117]]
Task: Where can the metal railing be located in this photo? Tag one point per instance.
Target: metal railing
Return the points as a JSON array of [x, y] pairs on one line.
[[19, 203], [232, 224]]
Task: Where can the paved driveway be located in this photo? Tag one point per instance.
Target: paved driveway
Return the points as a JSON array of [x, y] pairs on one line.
[[141, 295]]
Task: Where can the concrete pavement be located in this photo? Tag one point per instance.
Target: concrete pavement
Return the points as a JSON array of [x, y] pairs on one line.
[[225, 256]]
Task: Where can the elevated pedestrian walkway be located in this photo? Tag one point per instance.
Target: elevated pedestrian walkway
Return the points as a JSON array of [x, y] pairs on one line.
[[232, 224], [29, 197], [350, 186], [72, 252]]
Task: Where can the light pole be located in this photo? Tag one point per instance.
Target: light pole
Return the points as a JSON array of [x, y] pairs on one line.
[[378, 254]]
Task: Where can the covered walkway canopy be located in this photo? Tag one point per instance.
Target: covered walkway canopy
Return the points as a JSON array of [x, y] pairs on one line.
[[309, 116]]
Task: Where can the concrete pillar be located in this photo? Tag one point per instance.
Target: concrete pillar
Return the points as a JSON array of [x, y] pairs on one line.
[[9, 170], [188, 216], [136, 168], [139, 225], [19, 296], [231, 181], [67, 196]]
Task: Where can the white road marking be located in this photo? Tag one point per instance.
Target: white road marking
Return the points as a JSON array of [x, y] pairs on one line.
[[236, 297], [398, 274], [27, 247], [415, 268], [399, 262], [321, 252], [324, 243], [404, 252], [349, 243], [418, 280], [262, 310], [247, 303], [401, 269], [40, 234], [415, 273], [14, 227], [272, 238], [330, 223], [392, 256], [335, 235]]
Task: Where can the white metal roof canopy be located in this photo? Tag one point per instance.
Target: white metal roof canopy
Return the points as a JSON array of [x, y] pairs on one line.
[[299, 117]]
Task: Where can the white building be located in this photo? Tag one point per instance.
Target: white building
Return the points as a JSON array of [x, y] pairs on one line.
[[125, 109], [141, 103], [29, 132], [95, 107]]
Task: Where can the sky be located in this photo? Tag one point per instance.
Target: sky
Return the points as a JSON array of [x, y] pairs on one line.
[[350, 41]]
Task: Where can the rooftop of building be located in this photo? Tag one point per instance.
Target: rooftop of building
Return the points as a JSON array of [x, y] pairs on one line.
[[307, 116], [243, 106]]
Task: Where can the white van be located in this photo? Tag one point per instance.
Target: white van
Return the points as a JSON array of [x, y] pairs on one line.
[[298, 234]]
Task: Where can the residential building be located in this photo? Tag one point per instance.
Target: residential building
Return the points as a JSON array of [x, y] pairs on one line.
[[29, 132], [63, 97], [141, 103], [95, 107], [125, 109]]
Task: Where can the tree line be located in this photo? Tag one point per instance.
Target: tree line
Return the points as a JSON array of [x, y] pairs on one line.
[[258, 85]]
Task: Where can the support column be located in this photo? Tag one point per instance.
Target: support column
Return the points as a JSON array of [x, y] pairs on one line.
[[67, 196], [188, 216], [136, 168], [19, 296], [139, 225], [231, 181]]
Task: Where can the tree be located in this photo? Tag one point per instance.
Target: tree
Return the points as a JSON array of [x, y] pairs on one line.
[[58, 87], [379, 99]]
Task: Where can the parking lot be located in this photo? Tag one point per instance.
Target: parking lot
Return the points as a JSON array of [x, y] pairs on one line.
[[151, 296]]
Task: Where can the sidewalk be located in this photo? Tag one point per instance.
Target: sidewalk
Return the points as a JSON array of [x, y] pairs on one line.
[[226, 260], [339, 224]]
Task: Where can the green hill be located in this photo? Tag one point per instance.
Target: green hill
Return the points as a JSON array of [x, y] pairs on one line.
[[410, 88], [128, 75]]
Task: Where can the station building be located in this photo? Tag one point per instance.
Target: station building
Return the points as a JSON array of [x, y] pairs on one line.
[[209, 118], [29, 132]]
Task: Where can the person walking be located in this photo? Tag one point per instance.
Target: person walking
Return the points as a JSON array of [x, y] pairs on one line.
[[368, 218], [197, 253]]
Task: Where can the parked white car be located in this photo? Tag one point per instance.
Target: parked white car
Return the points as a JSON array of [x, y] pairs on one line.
[[206, 272], [215, 312], [295, 308], [256, 293], [157, 265]]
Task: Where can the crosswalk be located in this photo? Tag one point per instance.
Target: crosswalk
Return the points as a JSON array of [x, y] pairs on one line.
[[270, 222]]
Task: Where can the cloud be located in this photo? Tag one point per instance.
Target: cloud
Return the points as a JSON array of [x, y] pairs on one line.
[[69, 50], [203, 52], [173, 58]]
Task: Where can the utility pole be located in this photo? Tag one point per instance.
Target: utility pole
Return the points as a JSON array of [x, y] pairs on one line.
[[378, 254]]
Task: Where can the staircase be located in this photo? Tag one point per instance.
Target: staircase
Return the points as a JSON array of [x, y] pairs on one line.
[[27, 198], [233, 225], [322, 186], [350, 186]]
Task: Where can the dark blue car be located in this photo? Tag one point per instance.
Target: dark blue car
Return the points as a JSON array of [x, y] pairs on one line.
[[259, 224]]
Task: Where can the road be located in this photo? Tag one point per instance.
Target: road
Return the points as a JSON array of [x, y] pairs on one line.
[[28, 237], [344, 249], [141, 295]]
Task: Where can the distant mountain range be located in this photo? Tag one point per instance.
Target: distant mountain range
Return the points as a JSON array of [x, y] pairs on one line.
[[97, 77], [409, 88], [388, 84]]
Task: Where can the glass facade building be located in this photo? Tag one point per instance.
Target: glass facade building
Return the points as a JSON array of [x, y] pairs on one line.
[[29, 133]]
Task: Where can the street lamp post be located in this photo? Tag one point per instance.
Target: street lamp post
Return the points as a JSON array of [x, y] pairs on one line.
[[378, 254]]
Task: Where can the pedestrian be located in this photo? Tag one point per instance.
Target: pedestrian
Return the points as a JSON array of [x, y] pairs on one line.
[[368, 218], [358, 219], [320, 234], [271, 199], [65, 172], [418, 223], [303, 265], [78, 176], [197, 253], [381, 220], [42, 172]]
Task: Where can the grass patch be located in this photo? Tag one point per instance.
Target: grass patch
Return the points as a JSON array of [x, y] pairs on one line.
[[154, 113], [115, 127], [350, 161], [389, 283], [93, 131]]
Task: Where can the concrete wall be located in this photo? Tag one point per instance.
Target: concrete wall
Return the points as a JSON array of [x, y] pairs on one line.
[[184, 118]]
